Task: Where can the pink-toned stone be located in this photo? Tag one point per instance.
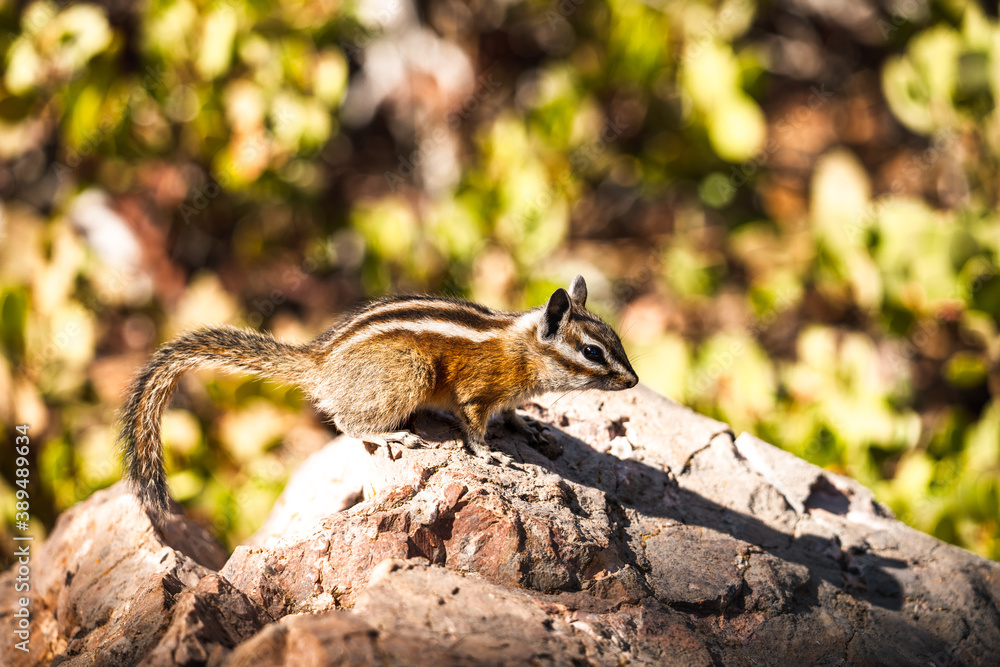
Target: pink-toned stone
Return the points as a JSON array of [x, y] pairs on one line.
[[633, 532]]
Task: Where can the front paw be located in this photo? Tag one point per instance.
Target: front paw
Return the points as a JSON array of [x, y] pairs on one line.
[[482, 451], [539, 435], [499, 458], [525, 426]]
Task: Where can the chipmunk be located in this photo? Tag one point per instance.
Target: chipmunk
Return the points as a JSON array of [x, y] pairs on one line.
[[375, 367]]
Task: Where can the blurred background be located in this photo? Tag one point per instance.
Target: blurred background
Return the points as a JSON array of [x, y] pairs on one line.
[[787, 207]]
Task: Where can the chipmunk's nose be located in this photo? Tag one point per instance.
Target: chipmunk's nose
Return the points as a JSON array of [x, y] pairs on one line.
[[629, 378]]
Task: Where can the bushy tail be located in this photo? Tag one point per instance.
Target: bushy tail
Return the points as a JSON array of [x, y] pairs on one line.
[[149, 393]]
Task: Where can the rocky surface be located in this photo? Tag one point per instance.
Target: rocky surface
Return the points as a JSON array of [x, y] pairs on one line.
[[636, 532]]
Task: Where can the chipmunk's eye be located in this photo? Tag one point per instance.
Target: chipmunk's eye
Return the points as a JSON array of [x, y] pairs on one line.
[[593, 353]]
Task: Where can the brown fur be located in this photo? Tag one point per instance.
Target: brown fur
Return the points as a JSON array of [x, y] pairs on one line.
[[376, 367]]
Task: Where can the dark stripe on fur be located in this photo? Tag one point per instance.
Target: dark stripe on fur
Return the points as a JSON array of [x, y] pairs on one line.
[[443, 301], [453, 312]]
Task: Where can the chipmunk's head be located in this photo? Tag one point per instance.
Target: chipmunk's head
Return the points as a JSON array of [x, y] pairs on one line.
[[580, 350]]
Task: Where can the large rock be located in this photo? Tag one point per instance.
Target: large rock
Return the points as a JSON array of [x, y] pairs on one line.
[[637, 533], [109, 588]]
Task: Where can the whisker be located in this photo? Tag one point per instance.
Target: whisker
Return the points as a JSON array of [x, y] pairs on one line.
[[563, 395]]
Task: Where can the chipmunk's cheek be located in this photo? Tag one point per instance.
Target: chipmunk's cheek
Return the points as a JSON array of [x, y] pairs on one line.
[[609, 383]]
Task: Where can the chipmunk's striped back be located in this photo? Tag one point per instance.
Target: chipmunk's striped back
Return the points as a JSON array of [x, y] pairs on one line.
[[449, 317], [375, 367]]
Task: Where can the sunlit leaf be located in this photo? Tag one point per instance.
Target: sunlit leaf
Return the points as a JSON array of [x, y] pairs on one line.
[[218, 33]]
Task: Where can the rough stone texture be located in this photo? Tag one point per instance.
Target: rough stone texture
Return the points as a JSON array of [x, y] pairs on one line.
[[328, 481], [109, 588], [637, 533]]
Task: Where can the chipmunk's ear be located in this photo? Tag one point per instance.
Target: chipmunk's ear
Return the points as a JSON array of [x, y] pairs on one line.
[[556, 314], [578, 291]]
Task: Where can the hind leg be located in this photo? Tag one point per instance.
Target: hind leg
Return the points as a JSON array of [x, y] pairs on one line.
[[377, 396]]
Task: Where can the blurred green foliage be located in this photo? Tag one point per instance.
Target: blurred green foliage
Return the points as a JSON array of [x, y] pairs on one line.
[[792, 214]]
